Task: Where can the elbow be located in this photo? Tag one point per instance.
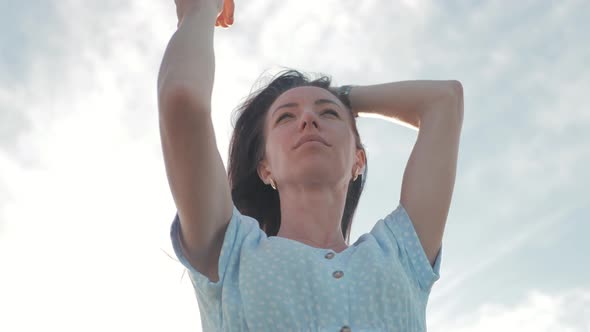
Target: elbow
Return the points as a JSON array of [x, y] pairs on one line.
[[456, 88], [456, 84], [457, 93], [180, 98]]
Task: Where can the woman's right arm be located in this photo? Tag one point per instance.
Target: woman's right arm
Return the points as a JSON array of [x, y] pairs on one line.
[[194, 167]]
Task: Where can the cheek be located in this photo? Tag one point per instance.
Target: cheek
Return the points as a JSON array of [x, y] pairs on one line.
[[345, 135], [349, 144], [278, 144]]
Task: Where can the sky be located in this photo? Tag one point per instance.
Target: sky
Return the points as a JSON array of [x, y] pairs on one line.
[[85, 206]]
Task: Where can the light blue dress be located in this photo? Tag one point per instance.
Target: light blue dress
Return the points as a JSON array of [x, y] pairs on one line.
[[380, 283]]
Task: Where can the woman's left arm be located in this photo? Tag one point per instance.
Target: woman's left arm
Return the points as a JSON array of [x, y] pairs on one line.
[[435, 108]]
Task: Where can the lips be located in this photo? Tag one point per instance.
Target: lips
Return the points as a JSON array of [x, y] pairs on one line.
[[308, 138]]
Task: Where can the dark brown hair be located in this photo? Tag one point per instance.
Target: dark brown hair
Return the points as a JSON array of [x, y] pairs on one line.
[[250, 195]]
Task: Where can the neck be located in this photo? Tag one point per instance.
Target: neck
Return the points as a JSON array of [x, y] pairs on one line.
[[313, 215]]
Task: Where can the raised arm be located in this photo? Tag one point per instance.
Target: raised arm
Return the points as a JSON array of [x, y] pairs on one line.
[[194, 167], [435, 108]]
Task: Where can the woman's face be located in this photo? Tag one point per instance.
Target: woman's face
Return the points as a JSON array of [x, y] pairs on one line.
[[303, 111]]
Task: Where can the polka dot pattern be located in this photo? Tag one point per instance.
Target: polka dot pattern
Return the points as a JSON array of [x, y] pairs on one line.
[[380, 283]]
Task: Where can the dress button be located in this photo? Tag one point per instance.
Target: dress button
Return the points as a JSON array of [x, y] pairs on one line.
[[337, 274], [329, 255], [345, 329]]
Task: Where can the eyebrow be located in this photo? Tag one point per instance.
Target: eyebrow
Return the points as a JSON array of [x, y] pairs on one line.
[[317, 102]]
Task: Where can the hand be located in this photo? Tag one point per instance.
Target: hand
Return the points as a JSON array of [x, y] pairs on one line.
[[226, 17], [224, 9]]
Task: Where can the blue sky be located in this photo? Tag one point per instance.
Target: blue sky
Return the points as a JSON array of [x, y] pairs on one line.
[[85, 206]]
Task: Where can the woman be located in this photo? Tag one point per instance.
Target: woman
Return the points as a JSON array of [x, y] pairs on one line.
[[267, 246]]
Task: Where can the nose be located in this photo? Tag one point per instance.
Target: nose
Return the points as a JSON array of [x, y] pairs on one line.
[[309, 117]]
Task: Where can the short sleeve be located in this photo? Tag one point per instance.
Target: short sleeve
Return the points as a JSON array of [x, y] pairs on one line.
[[400, 228], [238, 229]]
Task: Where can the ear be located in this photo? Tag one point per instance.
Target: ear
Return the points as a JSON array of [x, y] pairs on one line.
[[263, 171], [360, 160]]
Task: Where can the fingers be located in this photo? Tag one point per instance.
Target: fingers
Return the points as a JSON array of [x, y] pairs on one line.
[[221, 22], [226, 18]]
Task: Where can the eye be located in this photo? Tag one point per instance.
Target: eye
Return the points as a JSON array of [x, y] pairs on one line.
[[331, 111], [282, 116]]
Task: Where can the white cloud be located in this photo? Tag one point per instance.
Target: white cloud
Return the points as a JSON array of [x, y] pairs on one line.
[[568, 311], [88, 207], [85, 206]]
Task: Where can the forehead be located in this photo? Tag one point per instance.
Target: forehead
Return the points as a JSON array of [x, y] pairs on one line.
[[304, 94]]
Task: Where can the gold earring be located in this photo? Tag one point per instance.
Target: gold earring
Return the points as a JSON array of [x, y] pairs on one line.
[[272, 184], [356, 174]]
